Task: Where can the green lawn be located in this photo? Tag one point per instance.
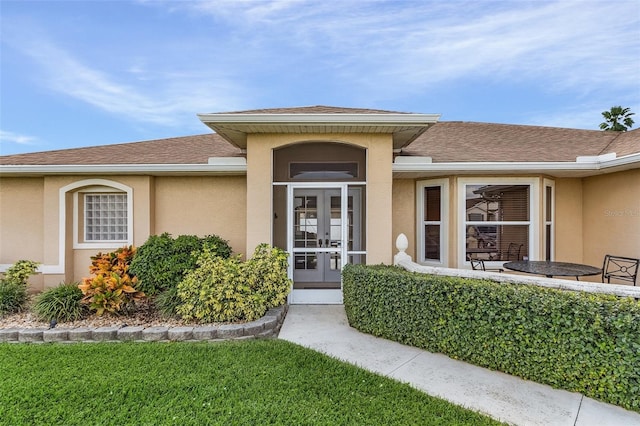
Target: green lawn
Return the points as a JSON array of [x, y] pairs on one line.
[[253, 382]]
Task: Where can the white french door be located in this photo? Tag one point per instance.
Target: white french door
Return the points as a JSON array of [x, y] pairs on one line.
[[323, 227]]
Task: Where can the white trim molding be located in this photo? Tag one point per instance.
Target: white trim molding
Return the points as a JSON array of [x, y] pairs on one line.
[[443, 184], [534, 212], [62, 214]]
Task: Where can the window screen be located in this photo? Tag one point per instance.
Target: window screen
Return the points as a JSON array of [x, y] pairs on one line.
[[498, 222]]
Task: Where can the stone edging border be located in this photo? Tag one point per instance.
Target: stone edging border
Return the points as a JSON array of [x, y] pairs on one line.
[[265, 327]]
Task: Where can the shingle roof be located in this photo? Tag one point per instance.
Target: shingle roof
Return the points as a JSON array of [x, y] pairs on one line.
[[316, 109], [443, 142], [625, 143], [181, 150], [486, 142]]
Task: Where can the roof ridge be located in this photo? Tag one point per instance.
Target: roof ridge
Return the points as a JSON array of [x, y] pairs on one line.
[[314, 109], [619, 135]]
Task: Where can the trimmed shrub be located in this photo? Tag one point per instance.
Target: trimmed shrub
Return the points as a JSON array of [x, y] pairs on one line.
[[113, 289], [266, 274], [13, 286], [587, 343], [162, 261], [216, 292], [20, 271], [229, 290], [62, 303]]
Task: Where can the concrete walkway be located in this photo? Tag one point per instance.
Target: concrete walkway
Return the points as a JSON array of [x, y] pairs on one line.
[[506, 398]]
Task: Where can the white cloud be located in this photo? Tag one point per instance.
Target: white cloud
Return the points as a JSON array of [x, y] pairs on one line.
[[11, 137], [568, 44], [228, 54]]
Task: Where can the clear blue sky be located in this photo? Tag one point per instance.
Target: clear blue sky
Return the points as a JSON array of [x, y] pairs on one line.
[[84, 73]]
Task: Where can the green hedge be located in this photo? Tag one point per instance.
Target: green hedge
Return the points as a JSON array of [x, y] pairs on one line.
[[576, 341], [162, 261]]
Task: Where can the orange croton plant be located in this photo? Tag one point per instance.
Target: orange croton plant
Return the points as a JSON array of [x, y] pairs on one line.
[[112, 288]]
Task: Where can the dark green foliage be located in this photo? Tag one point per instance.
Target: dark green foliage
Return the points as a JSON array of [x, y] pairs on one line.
[[167, 303], [62, 303], [576, 341], [13, 286], [256, 382], [161, 262], [13, 297]]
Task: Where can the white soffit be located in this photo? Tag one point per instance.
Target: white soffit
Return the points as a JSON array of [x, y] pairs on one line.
[[404, 128], [583, 166]]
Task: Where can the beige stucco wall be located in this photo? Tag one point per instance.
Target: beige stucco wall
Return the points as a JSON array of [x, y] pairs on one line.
[[593, 216], [21, 222], [379, 187], [568, 220], [21, 219], [30, 217], [404, 212], [611, 212], [203, 206]]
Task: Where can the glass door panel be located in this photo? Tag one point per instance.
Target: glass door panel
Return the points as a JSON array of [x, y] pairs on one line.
[[317, 223]]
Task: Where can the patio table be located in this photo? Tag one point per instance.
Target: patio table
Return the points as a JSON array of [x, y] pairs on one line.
[[553, 269]]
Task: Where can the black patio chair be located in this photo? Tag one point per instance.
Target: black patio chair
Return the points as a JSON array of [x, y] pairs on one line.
[[621, 268], [513, 251], [478, 265]]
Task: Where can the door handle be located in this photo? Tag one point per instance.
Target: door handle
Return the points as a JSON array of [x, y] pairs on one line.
[[326, 242], [320, 242]]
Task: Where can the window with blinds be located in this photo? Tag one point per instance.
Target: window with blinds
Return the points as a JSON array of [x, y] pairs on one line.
[[432, 216], [432, 222], [497, 221]]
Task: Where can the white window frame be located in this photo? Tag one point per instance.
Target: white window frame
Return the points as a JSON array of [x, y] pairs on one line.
[[443, 184], [533, 222], [79, 240], [548, 183]]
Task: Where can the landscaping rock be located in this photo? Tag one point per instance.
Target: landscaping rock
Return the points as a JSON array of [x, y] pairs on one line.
[[9, 334], [267, 326], [130, 333], [254, 327], [180, 334], [55, 335], [31, 335], [270, 322], [79, 334], [230, 331], [205, 333], [105, 333], [155, 333], [278, 312]]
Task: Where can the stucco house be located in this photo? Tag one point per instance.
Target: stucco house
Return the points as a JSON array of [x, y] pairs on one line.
[[331, 186]]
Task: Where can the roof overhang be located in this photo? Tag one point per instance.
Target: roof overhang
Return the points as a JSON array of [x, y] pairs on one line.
[[404, 128], [126, 169], [580, 168]]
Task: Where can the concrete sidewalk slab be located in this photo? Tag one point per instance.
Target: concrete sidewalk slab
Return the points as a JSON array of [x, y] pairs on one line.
[[507, 398]]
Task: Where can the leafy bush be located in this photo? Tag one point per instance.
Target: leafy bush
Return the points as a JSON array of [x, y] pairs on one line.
[[161, 262], [13, 286], [266, 273], [113, 288], [62, 303], [580, 342], [225, 290], [20, 271]]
